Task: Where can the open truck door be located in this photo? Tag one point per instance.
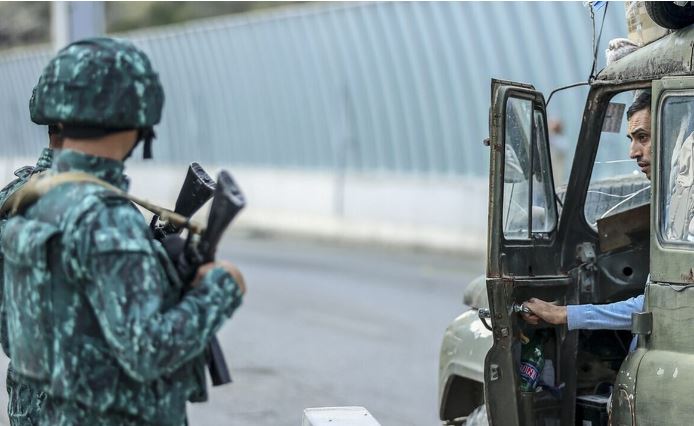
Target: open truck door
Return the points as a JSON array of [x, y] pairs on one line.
[[523, 255]]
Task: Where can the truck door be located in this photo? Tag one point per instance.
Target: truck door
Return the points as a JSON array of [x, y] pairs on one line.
[[660, 392], [523, 252]]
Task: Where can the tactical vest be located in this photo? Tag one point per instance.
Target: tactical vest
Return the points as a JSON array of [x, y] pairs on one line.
[[22, 175], [70, 359]]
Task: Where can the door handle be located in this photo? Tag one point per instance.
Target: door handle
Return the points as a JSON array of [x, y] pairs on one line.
[[483, 314]]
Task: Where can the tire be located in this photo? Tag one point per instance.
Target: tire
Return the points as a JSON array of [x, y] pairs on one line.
[[668, 15], [478, 417]]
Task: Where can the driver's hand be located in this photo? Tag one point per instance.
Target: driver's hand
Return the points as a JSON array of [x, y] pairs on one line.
[[531, 318], [545, 311]]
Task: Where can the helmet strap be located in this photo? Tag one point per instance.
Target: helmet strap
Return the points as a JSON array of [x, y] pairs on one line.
[[131, 150], [147, 149], [147, 136]]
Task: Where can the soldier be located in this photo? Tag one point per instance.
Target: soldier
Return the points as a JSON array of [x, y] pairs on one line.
[[24, 401], [111, 334]]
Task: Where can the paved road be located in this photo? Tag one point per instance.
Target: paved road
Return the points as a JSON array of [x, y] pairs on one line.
[[328, 325]]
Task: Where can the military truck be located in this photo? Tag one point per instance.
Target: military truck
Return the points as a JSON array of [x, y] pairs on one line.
[[594, 241]]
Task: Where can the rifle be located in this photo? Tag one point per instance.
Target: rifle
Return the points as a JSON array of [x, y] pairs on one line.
[[200, 248], [196, 190]]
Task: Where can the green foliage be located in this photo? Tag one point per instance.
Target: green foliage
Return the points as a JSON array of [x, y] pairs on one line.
[[124, 16], [25, 23]]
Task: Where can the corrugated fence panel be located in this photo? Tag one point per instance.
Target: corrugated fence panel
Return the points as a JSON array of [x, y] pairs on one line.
[[19, 73], [372, 87]]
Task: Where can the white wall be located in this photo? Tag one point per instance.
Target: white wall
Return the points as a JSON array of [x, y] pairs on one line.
[[441, 213]]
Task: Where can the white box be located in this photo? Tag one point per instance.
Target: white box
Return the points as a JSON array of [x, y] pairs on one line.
[[338, 416]]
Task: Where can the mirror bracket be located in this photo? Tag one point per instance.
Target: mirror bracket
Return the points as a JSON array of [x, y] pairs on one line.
[[642, 323]]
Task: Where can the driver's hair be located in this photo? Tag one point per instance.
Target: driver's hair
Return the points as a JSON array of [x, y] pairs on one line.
[[642, 101]]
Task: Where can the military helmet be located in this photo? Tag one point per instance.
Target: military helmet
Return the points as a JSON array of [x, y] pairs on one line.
[[98, 83]]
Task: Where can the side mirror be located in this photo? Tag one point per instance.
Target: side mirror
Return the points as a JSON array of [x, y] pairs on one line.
[[642, 323], [484, 314]]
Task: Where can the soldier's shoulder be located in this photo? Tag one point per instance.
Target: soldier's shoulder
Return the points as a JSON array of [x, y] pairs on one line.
[[107, 202], [106, 209], [112, 224], [85, 205], [80, 195]]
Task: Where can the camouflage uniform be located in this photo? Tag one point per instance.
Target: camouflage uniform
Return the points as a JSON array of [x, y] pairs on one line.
[[110, 332], [24, 401]]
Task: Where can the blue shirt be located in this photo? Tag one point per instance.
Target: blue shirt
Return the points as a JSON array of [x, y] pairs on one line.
[[613, 316]]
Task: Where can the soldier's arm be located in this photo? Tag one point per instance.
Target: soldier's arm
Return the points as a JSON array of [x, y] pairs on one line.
[[127, 287]]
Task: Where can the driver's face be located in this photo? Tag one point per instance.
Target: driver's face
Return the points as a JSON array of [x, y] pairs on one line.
[[639, 133]]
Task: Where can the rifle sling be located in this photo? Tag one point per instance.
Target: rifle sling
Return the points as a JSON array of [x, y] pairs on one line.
[[40, 184]]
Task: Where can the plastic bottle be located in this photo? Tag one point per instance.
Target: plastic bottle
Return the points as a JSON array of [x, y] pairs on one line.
[[547, 376], [532, 361]]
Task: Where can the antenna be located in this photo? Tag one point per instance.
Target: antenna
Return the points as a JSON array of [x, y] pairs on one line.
[[593, 5], [596, 43], [582, 83]]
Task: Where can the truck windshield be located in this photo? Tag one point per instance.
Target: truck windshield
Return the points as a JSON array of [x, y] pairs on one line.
[[616, 183]]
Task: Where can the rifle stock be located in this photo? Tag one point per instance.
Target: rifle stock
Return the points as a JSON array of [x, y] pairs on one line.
[[196, 190], [226, 204]]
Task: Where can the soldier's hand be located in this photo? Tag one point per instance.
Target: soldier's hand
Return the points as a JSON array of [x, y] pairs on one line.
[[545, 311], [227, 266], [234, 272]]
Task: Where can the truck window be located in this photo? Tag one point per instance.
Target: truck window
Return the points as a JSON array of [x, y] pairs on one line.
[[527, 178], [543, 195], [677, 171], [616, 183]]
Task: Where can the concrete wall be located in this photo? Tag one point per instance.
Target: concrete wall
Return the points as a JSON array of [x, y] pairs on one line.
[[445, 213]]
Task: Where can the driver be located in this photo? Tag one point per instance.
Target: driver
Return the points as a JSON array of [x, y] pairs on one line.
[[613, 316]]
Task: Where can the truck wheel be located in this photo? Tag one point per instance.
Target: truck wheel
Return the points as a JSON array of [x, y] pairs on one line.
[[669, 15], [478, 417]]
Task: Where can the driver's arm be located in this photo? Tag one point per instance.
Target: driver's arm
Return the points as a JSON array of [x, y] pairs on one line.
[[612, 316]]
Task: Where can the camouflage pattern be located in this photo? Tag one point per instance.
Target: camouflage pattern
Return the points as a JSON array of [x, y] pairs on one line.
[[24, 400], [100, 82], [97, 316]]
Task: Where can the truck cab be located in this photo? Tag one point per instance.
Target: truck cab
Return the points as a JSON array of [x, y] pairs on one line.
[[596, 241]]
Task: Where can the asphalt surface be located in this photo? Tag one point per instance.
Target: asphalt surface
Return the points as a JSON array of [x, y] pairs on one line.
[[334, 325]]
